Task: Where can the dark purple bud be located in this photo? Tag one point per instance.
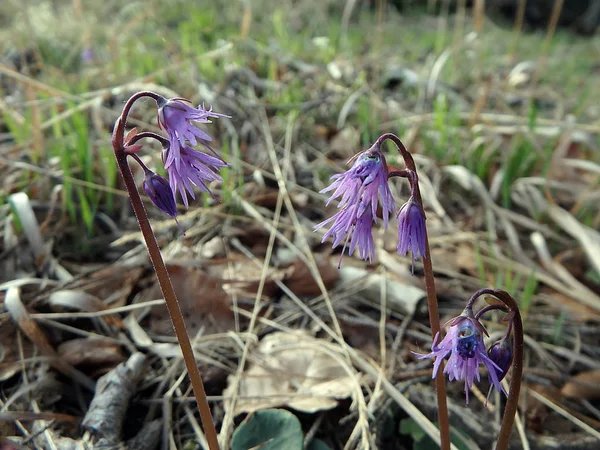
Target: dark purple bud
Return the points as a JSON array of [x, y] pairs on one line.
[[411, 229], [501, 354], [159, 191]]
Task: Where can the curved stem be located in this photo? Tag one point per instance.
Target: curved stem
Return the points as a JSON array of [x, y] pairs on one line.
[[432, 303], [512, 403], [149, 134], [488, 308], [153, 95], [163, 277], [140, 162]]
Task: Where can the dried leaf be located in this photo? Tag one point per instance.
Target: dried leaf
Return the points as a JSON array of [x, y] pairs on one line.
[[585, 385], [301, 282], [401, 296], [91, 352], [30, 328], [289, 370], [203, 301], [81, 301]]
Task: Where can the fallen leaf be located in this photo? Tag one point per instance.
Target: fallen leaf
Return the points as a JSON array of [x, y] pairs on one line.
[[17, 311], [401, 296], [584, 385], [301, 282], [91, 352], [81, 301], [202, 299], [288, 369]]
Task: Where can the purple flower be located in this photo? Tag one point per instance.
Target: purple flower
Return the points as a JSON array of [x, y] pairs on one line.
[[411, 229], [359, 189], [501, 354], [464, 346], [175, 116], [194, 168], [159, 191]]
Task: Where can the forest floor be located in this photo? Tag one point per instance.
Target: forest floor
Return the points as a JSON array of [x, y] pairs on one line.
[[504, 127]]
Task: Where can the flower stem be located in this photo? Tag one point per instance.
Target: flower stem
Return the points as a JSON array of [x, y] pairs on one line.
[[512, 403], [149, 134], [162, 274], [432, 303]]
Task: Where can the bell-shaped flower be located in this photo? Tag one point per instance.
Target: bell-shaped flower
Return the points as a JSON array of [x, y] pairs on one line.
[[360, 190], [179, 120], [411, 229], [463, 346], [194, 168], [159, 191]]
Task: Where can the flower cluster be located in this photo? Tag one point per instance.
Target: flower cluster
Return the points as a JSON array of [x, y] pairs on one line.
[[186, 167], [361, 190], [464, 347]]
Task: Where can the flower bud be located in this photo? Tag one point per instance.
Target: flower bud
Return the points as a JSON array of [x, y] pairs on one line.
[[501, 354], [159, 191], [411, 229]]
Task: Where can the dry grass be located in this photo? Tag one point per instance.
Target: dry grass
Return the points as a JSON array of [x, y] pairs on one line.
[[505, 137]]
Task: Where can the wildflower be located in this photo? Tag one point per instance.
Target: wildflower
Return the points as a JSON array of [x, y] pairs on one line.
[[159, 191], [501, 354], [360, 189], [411, 229], [175, 116], [464, 346], [194, 168]]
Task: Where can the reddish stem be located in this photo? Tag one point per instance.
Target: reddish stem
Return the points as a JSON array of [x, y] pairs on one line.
[[512, 403], [432, 303], [161, 271]]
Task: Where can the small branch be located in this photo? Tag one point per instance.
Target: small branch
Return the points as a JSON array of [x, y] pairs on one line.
[[106, 414], [432, 303]]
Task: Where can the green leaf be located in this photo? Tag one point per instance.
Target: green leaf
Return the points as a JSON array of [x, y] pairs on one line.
[[269, 429], [412, 428]]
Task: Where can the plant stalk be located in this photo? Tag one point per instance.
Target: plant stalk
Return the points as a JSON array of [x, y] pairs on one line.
[[162, 274], [432, 303], [512, 403]]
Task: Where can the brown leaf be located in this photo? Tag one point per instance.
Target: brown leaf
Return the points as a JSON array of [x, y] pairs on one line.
[[290, 370], [301, 282], [91, 352], [585, 385], [202, 299]]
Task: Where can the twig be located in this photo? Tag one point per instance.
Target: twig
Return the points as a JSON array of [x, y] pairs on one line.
[[113, 391]]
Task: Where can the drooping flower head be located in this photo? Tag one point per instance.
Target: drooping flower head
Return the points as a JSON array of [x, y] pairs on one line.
[[501, 354], [195, 168], [464, 346], [176, 117], [411, 229], [360, 190], [159, 191]]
